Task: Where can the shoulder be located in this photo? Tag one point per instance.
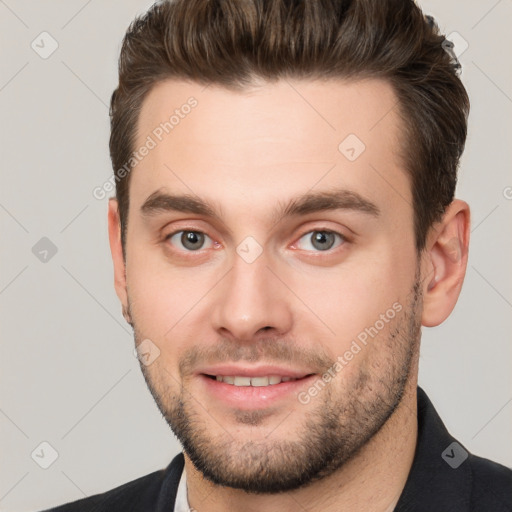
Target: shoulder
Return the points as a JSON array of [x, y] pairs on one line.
[[446, 476], [141, 494], [137, 494], [491, 487]]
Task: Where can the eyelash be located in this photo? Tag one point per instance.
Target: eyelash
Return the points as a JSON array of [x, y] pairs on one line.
[[343, 239]]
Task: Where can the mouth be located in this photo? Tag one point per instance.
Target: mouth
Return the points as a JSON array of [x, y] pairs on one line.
[[244, 381], [253, 387]]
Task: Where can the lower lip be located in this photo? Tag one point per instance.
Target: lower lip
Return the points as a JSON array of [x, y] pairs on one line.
[[250, 397]]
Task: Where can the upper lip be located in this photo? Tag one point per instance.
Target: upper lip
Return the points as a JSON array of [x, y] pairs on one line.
[[253, 371]]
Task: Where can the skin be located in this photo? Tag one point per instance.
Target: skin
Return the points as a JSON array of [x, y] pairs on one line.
[[294, 303]]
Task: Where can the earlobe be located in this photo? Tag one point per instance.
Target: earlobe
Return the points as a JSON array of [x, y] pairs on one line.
[[127, 316], [445, 263], [116, 249]]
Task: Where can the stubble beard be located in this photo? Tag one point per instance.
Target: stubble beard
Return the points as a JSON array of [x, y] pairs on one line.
[[344, 418]]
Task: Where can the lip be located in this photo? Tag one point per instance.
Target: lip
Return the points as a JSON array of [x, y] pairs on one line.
[[253, 397], [253, 371]]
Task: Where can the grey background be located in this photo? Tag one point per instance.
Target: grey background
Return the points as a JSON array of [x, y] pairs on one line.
[[68, 374]]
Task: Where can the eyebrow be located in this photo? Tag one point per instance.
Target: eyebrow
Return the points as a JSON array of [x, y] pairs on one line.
[[338, 199]]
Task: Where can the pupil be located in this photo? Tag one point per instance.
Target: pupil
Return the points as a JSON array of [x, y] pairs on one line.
[[192, 240], [323, 240]]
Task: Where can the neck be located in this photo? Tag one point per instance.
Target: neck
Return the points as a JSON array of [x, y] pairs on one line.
[[371, 481]]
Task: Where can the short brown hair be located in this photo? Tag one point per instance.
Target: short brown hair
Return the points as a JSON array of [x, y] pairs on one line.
[[233, 42]]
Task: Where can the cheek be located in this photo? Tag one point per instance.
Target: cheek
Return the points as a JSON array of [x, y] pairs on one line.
[[160, 308], [351, 298], [162, 296]]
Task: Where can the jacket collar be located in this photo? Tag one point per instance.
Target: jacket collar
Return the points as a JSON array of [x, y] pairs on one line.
[[439, 478]]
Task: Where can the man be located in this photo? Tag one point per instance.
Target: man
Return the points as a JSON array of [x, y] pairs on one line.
[[284, 224]]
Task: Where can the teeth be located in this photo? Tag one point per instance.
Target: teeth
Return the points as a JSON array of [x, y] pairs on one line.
[[242, 381], [271, 380], [259, 381]]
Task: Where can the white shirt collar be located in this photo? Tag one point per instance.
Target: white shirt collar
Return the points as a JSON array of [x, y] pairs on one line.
[[181, 504]]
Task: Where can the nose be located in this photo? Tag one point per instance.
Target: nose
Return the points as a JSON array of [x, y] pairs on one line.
[[251, 301]]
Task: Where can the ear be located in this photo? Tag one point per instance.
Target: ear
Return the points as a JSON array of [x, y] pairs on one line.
[[114, 235], [445, 262]]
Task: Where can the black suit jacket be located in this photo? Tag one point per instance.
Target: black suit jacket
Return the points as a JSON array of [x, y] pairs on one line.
[[444, 478]]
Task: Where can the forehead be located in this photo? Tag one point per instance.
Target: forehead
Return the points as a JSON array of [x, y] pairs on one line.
[[270, 141]]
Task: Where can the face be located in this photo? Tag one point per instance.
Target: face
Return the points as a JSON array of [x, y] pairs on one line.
[[271, 268]]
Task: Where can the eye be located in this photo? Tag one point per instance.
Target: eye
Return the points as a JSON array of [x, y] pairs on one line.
[[190, 240], [320, 240]]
